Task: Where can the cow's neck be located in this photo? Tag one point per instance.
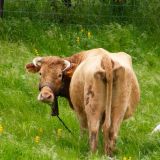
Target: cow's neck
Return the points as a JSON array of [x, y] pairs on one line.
[[76, 59], [65, 90]]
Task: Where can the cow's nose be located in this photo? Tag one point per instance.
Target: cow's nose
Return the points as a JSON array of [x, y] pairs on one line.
[[46, 97]]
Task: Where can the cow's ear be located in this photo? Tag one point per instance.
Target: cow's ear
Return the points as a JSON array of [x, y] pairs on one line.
[[35, 65], [69, 72], [32, 68]]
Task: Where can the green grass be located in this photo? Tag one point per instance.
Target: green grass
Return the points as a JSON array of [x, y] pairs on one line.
[[23, 117]]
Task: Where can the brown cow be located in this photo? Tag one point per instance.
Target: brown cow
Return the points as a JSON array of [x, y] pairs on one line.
[[100, 86], [104, 85]]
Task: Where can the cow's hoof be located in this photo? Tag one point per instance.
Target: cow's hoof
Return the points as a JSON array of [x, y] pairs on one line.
[[109, 151]]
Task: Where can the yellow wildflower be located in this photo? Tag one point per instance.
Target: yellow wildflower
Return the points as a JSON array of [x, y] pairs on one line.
[[124, 158], [78, 40], [59, 132], [37, 139], [1, 128], [89, 34]]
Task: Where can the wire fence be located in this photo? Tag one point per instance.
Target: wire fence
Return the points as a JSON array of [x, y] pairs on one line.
[[79, 12], [26, 19]]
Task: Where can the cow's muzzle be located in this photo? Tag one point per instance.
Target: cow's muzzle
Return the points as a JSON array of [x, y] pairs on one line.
[[46, 93]]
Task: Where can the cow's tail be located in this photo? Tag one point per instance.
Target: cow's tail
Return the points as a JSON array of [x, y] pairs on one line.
[[107, 66]]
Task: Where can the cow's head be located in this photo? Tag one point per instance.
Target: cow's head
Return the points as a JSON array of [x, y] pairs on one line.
[[51, 70]]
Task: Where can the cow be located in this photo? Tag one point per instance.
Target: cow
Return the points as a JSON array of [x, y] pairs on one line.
[[100, 86]]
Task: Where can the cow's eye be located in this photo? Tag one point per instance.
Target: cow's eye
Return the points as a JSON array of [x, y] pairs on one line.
[[60, 76], [40, 73]]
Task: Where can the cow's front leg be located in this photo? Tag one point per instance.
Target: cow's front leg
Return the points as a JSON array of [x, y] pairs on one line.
[[83, 122]]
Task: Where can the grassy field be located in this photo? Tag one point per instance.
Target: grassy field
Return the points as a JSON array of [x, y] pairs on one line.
[[27, 131]]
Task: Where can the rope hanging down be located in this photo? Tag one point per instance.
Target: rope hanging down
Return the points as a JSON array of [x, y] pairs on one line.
[[64, 125], [55, 112]]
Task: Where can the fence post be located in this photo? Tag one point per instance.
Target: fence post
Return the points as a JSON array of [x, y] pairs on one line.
[[1, 7]]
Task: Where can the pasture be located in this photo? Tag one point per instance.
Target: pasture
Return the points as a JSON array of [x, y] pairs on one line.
[[27, 131]]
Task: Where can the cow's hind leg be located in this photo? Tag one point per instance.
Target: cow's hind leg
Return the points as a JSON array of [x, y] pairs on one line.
[[93, 125], [94, 107], [117, 118], [119, 107], [105, 129], [120, 99], [110, 130]]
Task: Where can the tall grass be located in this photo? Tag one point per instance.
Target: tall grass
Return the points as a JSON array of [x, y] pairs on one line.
[[23, 117]]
